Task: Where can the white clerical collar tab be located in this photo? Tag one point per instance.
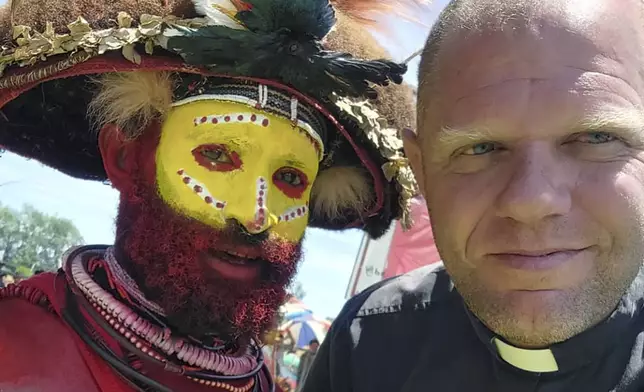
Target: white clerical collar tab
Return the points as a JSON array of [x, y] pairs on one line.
[[537, 361]]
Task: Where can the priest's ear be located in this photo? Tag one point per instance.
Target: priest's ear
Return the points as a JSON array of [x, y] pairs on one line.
[[119, 157], [413, 152]]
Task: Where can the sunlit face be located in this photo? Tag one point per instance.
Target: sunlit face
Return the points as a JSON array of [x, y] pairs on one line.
[[220, 161], [533, 164]]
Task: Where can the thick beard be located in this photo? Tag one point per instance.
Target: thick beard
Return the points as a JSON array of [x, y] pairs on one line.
[[162, 249]]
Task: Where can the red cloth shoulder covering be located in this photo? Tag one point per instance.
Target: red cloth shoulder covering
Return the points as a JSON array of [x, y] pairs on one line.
[[48, 289], [53, 287]]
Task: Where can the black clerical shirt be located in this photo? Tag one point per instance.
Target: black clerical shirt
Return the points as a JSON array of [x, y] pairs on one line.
[[413, 333]]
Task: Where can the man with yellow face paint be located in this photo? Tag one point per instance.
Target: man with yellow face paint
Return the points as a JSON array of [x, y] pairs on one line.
[[228, 127], [237, 160]]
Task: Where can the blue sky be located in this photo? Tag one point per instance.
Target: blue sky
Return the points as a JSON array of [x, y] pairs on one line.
[[329, 256]]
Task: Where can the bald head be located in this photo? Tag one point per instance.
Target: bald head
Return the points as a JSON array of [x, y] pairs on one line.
[[463, 19]]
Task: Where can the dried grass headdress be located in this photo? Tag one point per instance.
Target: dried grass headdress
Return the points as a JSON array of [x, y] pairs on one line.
[[280, 54]]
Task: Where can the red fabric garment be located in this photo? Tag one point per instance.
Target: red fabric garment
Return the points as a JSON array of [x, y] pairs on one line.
[[53, 287]]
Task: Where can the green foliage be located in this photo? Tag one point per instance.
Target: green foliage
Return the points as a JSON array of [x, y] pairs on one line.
[[24, 271], [30, 239]]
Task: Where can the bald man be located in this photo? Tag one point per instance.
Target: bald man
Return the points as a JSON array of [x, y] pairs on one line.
[[530, 154]]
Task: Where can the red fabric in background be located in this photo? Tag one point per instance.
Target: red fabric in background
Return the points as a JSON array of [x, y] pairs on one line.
[[414, 248]]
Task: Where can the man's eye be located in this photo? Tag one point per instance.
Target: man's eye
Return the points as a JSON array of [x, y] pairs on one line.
[[596, 137], [292, 182], [481, 148], [216, 155], [290, 177]]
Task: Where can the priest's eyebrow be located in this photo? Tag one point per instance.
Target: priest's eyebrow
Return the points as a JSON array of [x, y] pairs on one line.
[[448, 138], [625, 123], [628, 123]]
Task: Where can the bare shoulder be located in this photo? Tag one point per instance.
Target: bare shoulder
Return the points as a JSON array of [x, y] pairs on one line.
[[38, 351]]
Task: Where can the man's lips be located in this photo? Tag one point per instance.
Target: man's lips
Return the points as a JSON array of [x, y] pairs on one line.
[[233, 265], [536, 259]]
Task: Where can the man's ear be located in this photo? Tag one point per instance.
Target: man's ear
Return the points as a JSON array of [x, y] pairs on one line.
[[119, 157], [412, 151]]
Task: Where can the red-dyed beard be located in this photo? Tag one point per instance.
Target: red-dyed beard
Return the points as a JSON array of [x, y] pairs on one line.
[[162, 251]]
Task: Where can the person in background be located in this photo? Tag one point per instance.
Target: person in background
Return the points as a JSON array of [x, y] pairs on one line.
[[306, 360], [529, 152], [7, 279]]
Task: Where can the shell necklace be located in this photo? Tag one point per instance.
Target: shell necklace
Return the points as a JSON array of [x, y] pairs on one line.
[[158, 342]]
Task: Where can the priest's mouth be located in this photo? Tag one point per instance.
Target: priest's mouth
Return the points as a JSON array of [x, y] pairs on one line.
[[234, 265], [538, 260]]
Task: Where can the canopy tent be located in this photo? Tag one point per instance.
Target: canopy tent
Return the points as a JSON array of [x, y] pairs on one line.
[[294, 309], [299, 326], [304, 329], [395, 253]]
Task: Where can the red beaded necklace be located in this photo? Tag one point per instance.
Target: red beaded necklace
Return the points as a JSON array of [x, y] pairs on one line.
[[235, 372]]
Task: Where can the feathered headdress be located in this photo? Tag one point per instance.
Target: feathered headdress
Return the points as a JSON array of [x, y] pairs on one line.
[[278, 53]]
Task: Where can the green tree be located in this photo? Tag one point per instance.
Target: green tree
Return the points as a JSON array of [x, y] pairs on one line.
[[30, 239]]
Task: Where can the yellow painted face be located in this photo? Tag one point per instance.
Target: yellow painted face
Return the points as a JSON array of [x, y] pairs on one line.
[[219, 161]]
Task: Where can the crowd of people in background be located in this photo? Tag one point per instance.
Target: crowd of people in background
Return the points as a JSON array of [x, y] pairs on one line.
[[8, 278], [293, 365], [306, 361]]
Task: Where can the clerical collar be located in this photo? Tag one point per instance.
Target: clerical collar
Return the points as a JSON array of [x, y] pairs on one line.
[[575, 352], [536, 361]]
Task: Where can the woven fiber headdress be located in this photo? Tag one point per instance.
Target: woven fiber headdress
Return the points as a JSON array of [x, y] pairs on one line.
[[70, 66]]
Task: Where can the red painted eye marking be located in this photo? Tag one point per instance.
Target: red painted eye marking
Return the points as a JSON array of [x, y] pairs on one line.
[[292, 182], [216, 157]]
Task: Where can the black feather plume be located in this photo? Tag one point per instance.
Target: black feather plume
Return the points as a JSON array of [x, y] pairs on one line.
[[283, 43]]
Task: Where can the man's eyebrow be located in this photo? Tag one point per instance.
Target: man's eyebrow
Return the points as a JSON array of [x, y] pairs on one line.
[[631, 121], [455, 136], [624, 121], [448, 138], [292, 160]]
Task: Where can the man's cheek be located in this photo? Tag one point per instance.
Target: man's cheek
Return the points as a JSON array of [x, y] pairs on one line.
[[291, 231], [614, 200]]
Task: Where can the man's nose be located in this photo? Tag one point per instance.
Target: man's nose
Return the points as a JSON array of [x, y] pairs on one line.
[[252, 211], [238, 231], [537, 187]]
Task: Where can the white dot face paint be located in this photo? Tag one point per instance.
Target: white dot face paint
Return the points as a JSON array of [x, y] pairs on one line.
[[294, 213], [233, 118], [201, 190], [261, 213], [218, 162]]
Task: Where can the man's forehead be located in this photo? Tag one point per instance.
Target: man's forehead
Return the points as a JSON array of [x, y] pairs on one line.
[[596, 36], [478, 15], [554, 30]]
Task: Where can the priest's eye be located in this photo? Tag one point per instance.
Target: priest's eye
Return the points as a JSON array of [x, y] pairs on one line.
[[290, 181], [481, 148], [216, 157], [598, 137]]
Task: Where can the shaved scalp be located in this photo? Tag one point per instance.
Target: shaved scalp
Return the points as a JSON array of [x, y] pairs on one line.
[[468, 17], [463, 15]]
